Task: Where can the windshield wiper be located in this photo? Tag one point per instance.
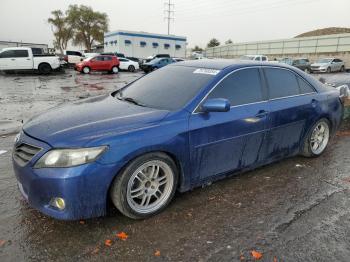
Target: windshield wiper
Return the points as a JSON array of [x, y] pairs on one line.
[[130, 100]]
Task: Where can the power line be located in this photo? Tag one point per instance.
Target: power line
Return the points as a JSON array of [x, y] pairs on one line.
[[169, 13]]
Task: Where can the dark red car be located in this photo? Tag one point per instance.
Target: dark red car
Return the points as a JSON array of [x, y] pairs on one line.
[[99, 63]]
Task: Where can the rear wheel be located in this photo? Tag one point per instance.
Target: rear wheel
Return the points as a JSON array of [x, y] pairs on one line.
[[44, 69], [86, 70], [115, 70], [131, 68], [317, 139], [146, 186]]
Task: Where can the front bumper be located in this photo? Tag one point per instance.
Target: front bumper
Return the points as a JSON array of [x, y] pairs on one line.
[[318, 69], [84, 188]]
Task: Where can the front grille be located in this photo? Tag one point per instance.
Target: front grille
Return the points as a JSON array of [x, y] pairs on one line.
[[23, 153]]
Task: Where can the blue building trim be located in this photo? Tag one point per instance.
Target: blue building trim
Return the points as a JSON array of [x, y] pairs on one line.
[[147, 36]]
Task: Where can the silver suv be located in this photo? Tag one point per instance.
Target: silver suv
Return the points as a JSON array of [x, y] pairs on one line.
[[328, 65]]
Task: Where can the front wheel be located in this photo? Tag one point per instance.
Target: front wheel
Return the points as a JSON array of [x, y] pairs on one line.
[[146, 186], [329, 70], [86, 70], [317, 139], [342, 69]]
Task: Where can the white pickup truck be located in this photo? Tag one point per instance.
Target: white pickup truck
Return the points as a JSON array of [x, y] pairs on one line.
[[22, 58]]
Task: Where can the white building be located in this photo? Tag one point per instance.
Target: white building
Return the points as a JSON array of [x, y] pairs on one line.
[[142, 45]]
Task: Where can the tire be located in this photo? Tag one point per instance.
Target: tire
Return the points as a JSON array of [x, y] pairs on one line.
[[86, 70], [114, 70], [150, 196], [154, 68], [131, 68], [342, 69], [44, 69], [329, 70], [313, 137]]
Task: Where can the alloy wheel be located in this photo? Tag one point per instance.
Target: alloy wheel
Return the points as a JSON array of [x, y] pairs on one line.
[[150, 186], [319, 138]]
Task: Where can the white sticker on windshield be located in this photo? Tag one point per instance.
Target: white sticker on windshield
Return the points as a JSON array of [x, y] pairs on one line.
[[206, 71]]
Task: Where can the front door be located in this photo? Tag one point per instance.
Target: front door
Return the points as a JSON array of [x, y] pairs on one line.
[[21, 60], [226, 141]]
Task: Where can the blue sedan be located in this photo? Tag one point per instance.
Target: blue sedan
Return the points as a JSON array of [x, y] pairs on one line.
[[175, 129]]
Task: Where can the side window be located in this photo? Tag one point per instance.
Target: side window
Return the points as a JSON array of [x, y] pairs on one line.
[[99, 58], [108, 58], [264, 58], [241, 87], [281, 83], [21, 53], [7, 54], [122, 60], [305, 87]]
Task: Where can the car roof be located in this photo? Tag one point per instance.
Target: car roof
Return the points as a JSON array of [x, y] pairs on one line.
[[220, 64]]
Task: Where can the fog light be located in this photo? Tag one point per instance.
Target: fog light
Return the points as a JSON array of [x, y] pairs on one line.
[[58, 202]]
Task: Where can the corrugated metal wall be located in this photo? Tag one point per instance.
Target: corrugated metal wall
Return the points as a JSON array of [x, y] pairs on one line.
[[332, 44]]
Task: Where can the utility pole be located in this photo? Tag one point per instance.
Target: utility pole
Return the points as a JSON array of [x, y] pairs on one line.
[[168, 12]]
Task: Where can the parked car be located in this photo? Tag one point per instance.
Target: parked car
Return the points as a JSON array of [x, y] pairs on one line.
[[177, 59], [255, 57], [150, 58], [72, 57], [301, 63], [108, 63], [87, 55], [177, 128], [127, 64], [156, 64], [328, 65], [22, 58], [119, 55], [135, 59]]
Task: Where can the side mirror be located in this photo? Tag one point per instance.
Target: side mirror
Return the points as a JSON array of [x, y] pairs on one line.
[[216, 105]]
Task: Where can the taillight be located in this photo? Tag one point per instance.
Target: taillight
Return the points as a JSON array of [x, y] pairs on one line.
[[65, 58]]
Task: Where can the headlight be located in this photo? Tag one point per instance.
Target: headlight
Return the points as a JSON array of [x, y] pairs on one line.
[[69, 157]]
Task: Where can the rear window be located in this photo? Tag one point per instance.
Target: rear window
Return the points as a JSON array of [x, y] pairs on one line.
[[168, 88], [281, 82]]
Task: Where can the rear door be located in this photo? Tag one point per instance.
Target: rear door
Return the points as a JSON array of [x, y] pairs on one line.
[[228, 141], [293, 106]]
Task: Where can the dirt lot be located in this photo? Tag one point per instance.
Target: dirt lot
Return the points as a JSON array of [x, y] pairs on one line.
[[294, 210]]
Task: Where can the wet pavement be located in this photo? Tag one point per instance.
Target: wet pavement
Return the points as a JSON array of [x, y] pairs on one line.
[[294, 210]]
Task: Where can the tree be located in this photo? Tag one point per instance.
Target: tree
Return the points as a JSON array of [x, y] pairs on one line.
[[88, 26], [213, 42], [60, 29], [197, 49], [229, 41]]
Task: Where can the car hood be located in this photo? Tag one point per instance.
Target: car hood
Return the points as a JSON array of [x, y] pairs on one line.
[[319, 64], [80, 122]]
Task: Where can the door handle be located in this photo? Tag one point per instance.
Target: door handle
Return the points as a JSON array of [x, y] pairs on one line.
[[261, 114], [13, 59]]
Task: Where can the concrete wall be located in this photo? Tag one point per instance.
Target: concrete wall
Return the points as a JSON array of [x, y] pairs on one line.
[[116, 42], [310, 47]]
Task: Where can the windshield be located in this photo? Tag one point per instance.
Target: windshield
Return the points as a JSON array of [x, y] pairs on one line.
[[324, 60], [168, 88]]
